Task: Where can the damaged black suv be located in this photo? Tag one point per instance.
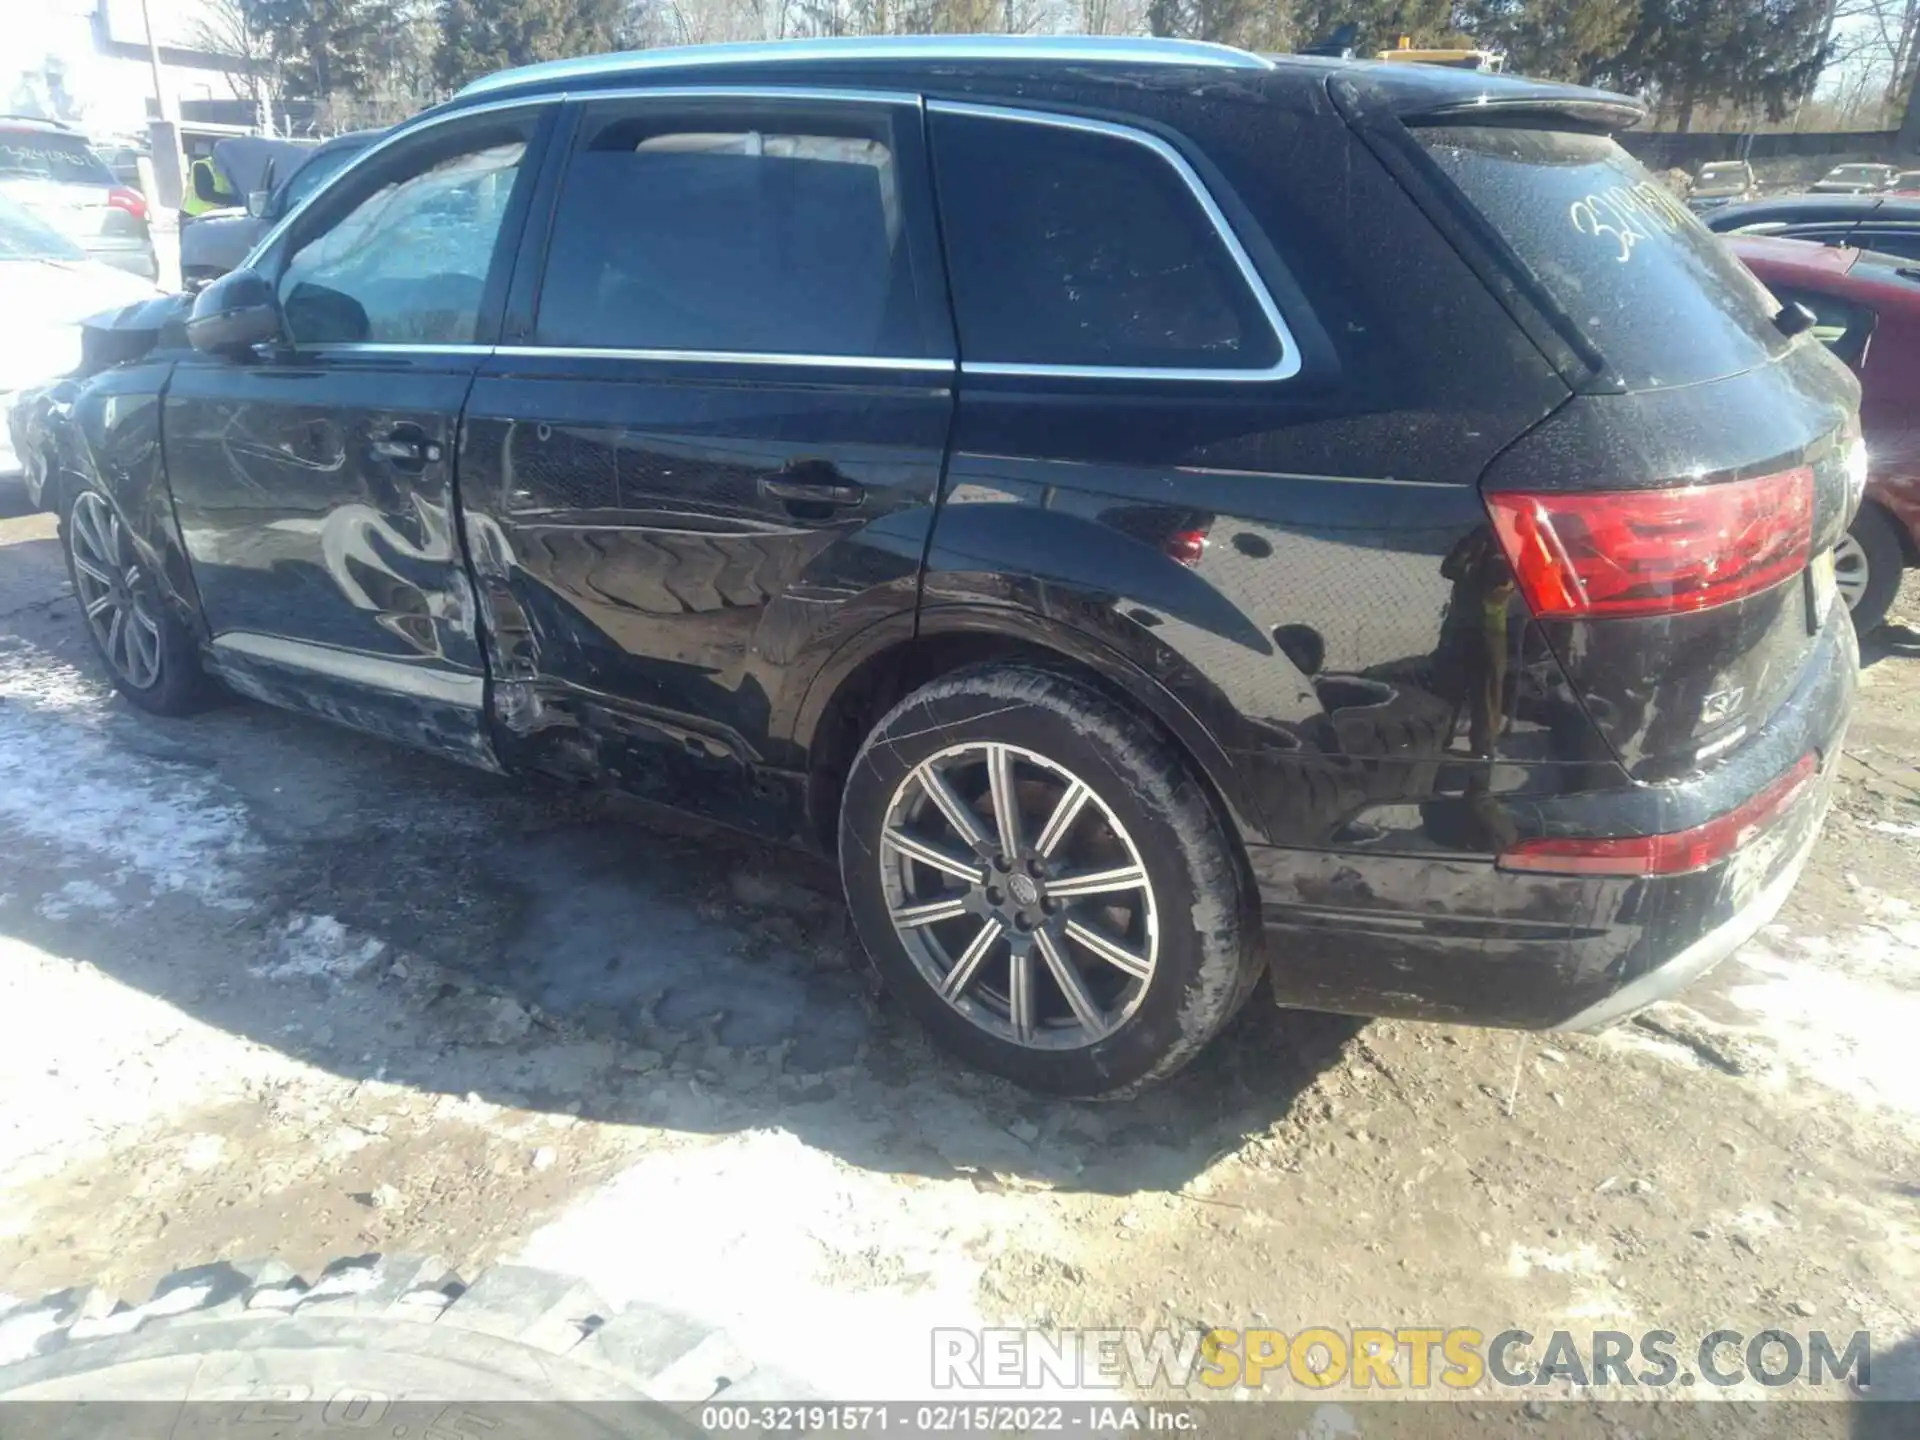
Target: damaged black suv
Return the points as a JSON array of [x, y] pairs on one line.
[[1163, 516]]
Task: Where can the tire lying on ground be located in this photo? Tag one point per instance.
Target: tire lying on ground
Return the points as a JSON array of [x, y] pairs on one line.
[[382, 1345]]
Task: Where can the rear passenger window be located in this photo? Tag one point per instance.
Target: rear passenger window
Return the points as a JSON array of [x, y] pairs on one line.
[[768, 238], [1085, 248]]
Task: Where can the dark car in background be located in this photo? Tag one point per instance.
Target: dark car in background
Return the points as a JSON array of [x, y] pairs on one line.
[[273, 176], [50, 170], [1885, 224], [982, 461], [1866, 309]]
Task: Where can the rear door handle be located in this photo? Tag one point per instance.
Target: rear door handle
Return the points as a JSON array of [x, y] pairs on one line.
[[812, 492]]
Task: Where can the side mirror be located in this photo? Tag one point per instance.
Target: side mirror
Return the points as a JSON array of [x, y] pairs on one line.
[[259, 202], [233, 314]]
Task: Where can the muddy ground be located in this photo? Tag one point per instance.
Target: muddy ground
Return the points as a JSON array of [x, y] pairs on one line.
[[268, 988]]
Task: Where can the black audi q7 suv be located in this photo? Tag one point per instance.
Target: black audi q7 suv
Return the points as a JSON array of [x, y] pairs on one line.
[[1162, 516]]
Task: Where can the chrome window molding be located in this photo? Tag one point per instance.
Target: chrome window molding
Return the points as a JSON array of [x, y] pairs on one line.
[[901, 363], [823, 94], [1123, 50], [1284, 368], [385, 347]]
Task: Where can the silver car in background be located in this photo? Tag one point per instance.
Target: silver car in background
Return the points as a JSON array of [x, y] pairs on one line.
[[51, 170], [47, 287]]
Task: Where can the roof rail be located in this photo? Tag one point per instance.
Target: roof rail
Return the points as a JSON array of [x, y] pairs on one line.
[[1110, 49]]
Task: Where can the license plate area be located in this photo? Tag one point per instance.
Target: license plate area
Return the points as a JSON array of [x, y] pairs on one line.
[[1820, 590]]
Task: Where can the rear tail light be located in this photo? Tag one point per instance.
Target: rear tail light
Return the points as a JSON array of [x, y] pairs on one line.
[[131, 201], [1673, 854], [1654, 552], [1189, 547]]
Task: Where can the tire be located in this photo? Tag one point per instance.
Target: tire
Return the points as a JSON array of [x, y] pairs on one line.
[[1873, 545], [373, 1329], [1145, 812], [175, 684]]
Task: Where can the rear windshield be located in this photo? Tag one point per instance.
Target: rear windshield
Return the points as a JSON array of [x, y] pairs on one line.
[[1649, 286], [48, 155], [25, 237]]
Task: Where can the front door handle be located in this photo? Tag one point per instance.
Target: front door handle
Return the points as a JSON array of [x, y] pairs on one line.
[[407, 448], [813, 483]]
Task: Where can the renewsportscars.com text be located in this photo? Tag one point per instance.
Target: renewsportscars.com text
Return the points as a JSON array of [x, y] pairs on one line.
[[1402, 1358]]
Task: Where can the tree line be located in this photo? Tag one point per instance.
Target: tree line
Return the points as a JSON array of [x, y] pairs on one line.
[[1687, 57]]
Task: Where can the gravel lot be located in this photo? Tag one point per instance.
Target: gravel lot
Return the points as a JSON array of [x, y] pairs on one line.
[[268, 988]]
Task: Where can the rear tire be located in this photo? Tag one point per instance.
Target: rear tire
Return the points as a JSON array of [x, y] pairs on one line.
[[1872, 559], [149, 654], [1100, 990]]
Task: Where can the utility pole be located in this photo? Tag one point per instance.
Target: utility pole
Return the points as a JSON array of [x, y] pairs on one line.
[[169, 171]]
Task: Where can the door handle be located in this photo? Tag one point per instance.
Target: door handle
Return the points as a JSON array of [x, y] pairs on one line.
[[795, 491], [407, 449]]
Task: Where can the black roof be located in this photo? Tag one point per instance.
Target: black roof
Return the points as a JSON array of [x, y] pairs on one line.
[[954, 63], [1812, 209]]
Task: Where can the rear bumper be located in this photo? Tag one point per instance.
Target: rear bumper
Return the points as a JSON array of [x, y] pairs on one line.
[[136, 257], [1457, 939]]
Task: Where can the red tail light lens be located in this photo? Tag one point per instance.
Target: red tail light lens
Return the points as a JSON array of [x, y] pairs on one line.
[[1673, 854], [1655, 552], [131, 201]]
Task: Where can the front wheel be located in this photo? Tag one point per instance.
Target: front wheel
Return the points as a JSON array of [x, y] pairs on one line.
[[149, 655], [1041, 879], [1867, 564]]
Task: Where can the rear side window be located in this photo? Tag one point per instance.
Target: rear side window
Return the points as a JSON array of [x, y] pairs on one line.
[[1654, 291], [731, 237], [1084, 248], [48, 155]]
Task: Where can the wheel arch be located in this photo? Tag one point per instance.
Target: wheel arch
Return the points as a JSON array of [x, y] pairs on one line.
[[884, 664]]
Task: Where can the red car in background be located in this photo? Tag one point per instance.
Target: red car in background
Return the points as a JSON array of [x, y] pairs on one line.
[[1866, 308]]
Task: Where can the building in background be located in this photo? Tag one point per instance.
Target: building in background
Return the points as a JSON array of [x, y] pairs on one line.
[[85, 62]]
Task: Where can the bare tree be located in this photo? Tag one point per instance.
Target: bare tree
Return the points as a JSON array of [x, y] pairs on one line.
[[225, 28]]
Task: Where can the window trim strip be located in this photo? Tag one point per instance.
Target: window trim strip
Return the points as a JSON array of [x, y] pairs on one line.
[[1285, 368], [924, 365]]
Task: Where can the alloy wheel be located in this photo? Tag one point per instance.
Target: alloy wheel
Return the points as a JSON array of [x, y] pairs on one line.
[[114, 592], [1852, 572], [1019, 896]]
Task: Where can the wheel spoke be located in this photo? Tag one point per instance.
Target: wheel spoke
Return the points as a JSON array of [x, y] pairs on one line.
[[1097, 882], [96, 606], [116, 633], [950, 805], [968, 965], [911, 917], [146, 635], [1061, 821], [1070, 983], [1111, 951], [1006, 800], [1020, 993], [89, 569], [958, 866]]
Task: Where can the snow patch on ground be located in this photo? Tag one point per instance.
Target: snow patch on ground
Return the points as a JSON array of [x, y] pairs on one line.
[[823, 1271], [143, 1062], [77, 895], [1842, 1009], [63, 780], [319, 945]]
